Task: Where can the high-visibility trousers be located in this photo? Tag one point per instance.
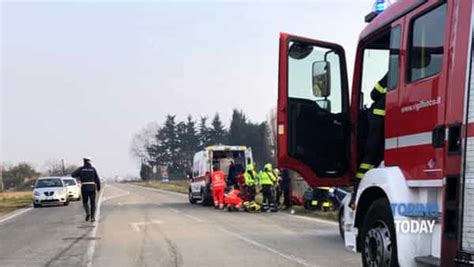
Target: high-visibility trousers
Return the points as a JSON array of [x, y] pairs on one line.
[[218, 195]]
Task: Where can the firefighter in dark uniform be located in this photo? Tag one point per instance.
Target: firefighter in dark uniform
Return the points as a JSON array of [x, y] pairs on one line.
[[375, 144], [90, 182]]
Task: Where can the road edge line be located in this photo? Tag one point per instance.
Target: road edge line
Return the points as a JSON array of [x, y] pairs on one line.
[[265, 247], [14, 214], [312, 219], [194, 218], [91, 248], [294, 216]]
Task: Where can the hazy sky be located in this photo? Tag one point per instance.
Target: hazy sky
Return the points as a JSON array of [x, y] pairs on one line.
[[81, 78]]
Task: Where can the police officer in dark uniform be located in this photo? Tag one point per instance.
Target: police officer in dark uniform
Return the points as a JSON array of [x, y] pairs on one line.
[[375, 144], [90, 183]]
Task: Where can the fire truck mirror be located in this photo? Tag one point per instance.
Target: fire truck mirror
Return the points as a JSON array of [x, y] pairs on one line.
[[299, 50], [321, 79]]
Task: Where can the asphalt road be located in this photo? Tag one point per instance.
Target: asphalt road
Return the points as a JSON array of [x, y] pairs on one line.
[[145, 227]]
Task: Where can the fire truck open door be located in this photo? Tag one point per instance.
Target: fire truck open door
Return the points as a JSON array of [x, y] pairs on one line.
[[313, 111]]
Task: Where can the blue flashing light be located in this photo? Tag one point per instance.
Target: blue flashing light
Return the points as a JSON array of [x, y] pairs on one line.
[[380, 6]]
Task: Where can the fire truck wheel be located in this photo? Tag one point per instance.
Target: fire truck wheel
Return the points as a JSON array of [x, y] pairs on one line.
[[341, 222], [378, 236], [191, 198]]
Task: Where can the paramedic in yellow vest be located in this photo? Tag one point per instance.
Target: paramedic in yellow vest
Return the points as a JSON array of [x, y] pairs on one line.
[[375, 143], [250, 179], [267, 181]]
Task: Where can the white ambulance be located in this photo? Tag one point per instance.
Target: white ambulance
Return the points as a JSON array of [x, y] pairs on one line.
[[203, 163]]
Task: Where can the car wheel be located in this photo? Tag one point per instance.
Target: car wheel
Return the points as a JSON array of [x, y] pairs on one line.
[[66, 203], [191, 198], [36, 205], [379, 247], [341, 222]]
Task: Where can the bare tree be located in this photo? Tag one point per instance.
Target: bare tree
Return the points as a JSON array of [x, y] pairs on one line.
[[69, 169], [54, 167], [142, 140]]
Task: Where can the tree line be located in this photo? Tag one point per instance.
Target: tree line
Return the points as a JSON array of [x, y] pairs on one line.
[[172, 145], [20, 176]]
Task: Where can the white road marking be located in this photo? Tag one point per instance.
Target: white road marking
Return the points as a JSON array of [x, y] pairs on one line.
[[267, 248], [15, 214], [129, 203], [174, 210], [194, 218], [91, 248], [136, 225], [294, 216], [116, 196]]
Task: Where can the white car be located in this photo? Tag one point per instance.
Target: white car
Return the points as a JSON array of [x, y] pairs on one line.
[[49, 191], [73, 188]]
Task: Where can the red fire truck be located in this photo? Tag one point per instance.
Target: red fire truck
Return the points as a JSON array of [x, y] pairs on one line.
[[425, 48]]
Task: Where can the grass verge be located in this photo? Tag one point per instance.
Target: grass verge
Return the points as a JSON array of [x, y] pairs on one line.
[[328, 215], [10, 201], [174, 186]]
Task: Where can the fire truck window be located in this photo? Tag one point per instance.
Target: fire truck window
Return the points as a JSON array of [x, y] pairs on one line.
[[426, 45], [393, 62], [381, 56], [375, 66], [300, 77]]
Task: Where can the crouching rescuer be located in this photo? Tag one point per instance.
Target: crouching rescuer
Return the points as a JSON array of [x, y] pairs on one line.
[[218, 186], [233, 200], [90, 182], [374, 147]]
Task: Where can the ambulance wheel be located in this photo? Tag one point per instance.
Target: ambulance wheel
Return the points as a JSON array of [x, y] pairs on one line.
[[204, 198], [341, 222], [191, 198], [379, 247]]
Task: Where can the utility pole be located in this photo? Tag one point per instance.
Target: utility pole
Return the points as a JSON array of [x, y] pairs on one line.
[[63, 168]]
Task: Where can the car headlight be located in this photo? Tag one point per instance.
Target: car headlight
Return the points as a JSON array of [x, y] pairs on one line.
[[36, 193]]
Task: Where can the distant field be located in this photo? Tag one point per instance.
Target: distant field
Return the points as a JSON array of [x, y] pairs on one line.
[[10, 201], [175, 186]]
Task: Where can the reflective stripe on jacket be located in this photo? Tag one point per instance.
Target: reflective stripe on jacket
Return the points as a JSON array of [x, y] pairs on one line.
[[267, 178], [378, 96], [250, 178]]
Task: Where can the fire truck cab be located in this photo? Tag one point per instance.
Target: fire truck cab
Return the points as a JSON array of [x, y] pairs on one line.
[[425, 49]]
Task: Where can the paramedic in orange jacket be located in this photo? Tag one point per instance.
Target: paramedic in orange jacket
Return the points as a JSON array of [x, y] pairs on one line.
[[218, 187]]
